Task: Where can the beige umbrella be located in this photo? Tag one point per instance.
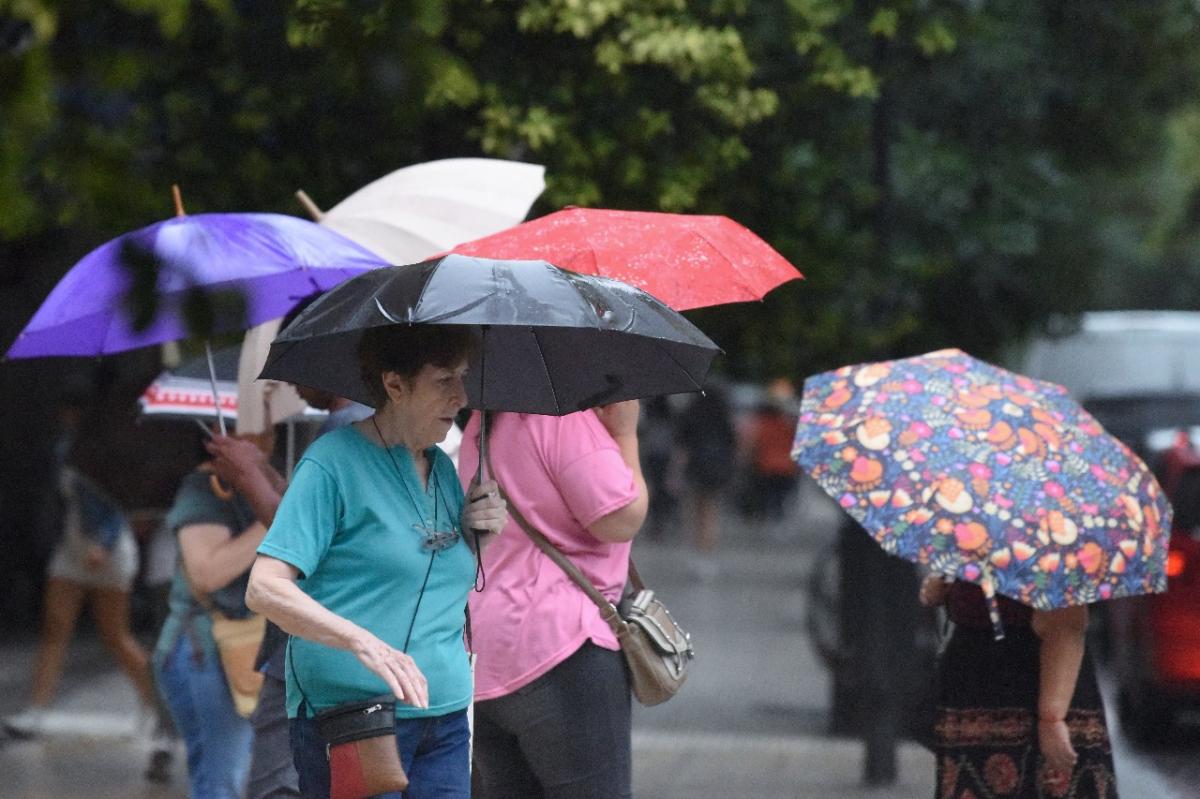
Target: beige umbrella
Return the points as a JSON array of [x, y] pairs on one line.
[[261, 403], [425, 209]]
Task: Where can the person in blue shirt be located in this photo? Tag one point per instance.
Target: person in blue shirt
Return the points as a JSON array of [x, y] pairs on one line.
[[367, 568]]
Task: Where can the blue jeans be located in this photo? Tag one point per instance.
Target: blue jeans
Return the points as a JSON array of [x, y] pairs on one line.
[[218, 740], [434, 752]]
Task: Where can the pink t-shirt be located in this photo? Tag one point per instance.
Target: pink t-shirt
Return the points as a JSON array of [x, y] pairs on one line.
[[563, 473]]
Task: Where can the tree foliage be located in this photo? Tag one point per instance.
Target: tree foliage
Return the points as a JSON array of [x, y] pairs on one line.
[[945, 172]]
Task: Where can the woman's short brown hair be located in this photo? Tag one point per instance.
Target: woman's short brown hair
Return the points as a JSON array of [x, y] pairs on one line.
[[406, 349]]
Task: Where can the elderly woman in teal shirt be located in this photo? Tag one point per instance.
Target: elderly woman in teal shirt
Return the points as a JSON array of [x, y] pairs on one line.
[[367, 567]]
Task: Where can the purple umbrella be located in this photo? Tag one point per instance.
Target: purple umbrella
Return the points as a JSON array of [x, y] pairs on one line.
[[272, 260]]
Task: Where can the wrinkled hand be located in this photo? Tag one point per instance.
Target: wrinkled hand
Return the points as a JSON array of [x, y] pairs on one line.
[[235, 460], [1054, 739], [95, 558], [620, 418], [933, 591], [397, 669], [485, 508]]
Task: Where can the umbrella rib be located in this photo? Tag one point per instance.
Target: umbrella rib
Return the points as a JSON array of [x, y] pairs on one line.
[[379, 307], [682, 368], [546, 368]]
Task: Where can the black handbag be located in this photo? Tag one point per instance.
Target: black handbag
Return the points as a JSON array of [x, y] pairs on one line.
[[361, 743]]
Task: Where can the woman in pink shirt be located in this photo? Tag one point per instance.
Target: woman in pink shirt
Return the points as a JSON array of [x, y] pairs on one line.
[[552, 703]]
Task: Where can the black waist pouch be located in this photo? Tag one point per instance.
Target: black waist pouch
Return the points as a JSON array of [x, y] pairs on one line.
[[361, 743]]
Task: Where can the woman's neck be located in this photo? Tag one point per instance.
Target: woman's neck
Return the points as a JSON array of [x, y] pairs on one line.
[[391, 427]]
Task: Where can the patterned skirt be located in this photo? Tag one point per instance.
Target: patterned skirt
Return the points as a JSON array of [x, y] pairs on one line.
[[986, 730]]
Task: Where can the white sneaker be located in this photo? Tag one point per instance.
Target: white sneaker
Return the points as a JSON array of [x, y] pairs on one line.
[[29, 723]]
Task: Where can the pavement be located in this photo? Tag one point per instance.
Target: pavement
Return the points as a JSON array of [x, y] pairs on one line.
[[749, 722]]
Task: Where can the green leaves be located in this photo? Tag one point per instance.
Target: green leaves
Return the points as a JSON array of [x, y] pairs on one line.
[[943, 172]]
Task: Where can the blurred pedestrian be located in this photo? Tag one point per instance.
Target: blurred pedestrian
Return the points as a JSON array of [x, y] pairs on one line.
[[94, 562], [365, 564], [1021, 716], [552, 709], [772, 477], [656, 437], [708, 447], [217, 537]]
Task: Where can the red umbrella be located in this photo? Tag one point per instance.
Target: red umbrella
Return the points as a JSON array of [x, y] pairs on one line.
[[685, 261]]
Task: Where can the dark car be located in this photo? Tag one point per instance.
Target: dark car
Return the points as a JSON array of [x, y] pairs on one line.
[[1154, 641]]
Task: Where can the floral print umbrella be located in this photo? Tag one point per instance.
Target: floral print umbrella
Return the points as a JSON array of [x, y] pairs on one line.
[[988, 476]]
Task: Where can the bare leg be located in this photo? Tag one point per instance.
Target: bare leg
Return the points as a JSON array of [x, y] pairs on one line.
[[63, 601], [110, 608]]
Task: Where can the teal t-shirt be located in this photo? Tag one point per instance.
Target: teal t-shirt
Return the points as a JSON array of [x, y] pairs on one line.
[[353, 524], [195, 503]]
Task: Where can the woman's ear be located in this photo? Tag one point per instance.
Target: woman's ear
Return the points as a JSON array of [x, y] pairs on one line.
[[394, 384]]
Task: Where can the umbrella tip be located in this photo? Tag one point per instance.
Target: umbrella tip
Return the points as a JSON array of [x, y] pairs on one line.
[[313, 210], [178, 197]]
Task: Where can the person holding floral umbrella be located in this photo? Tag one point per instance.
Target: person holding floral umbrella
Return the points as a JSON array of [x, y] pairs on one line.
[[1005, 486]]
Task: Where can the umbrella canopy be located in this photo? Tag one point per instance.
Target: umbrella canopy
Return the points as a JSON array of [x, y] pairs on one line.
[[186, 391], [988, 476], [270, 259], [553, 342], [419, 211], [686, 261]]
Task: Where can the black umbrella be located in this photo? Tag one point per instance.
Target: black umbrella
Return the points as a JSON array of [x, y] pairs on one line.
[[553, 342]]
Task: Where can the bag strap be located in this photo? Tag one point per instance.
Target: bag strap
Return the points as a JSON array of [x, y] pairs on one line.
[[608, 610], [635, 579]]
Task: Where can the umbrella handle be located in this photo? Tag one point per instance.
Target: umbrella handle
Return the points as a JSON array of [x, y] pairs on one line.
[[313, 209], [482, 446], [212, 379]]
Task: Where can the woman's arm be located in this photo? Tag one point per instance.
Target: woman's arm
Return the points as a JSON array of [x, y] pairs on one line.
[[273, 592], [621, 419], [213, 557], [1062, 634]]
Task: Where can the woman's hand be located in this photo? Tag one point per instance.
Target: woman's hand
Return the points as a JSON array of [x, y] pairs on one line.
[[236, 461], [397, 669], [1054, 739], [933, 591], [485, 509]]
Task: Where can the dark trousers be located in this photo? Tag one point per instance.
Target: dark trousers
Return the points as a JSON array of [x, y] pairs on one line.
[[565, 735], [272, 772]]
